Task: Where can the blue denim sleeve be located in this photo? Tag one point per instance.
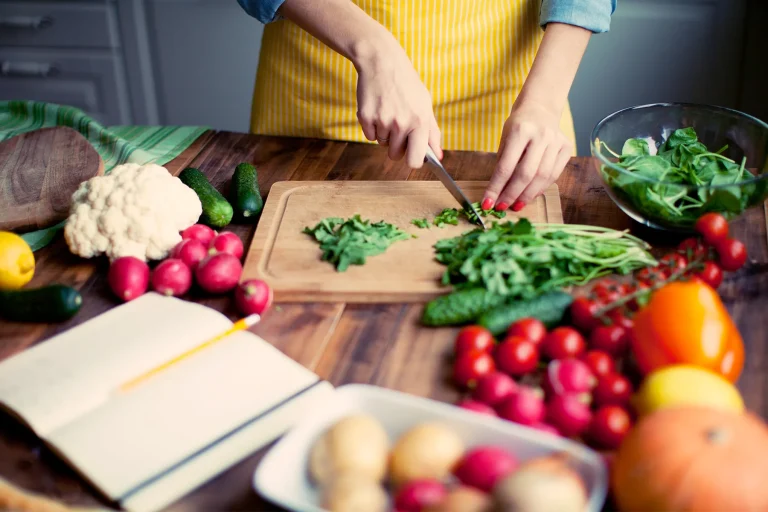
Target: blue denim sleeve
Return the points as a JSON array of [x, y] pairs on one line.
[[593, 15], [263, 10]]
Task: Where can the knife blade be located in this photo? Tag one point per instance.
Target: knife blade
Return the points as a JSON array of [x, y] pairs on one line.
[[453, 188]]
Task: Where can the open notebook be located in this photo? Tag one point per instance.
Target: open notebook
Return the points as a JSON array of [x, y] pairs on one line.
[[145, 447]]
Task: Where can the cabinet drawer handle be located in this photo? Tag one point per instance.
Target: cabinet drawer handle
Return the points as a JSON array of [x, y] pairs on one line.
[[28, 69], [26, 22]]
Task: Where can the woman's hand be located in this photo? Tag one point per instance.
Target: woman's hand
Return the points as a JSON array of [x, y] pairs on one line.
[[532, 155], [395, 108]]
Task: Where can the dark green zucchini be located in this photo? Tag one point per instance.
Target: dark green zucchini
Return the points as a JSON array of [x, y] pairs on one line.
[[459, 307], [245, 195], [47, 304], [217, 212], [549, 307]]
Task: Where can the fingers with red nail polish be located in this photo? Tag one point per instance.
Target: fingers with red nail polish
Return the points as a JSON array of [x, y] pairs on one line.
[[502, 207], [487, 203], [517, 206]]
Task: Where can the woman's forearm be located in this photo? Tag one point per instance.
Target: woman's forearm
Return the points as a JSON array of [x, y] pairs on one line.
[[342, 26], [555, 65]]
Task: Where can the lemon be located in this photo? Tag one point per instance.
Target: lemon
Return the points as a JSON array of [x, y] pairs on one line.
[[681, 385], [17, 263]]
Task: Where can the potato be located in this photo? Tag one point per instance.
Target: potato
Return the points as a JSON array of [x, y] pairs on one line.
[[354, 492], [463, 499], [356, 443], [428, 450]]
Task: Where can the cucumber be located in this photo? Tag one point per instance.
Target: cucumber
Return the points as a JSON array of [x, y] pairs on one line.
[[549, 307], [245, 195], [47, 304], [459, 307], [217, 212]]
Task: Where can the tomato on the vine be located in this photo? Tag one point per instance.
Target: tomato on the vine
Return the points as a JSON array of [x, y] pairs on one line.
[[713, 227], [637, 302], [564, 342], [472, 365], [612, 339], [531, 329], [583, 312], [711, 274], [606, 290], [473, 337], [618, 317], [673, 263], [600, 362], [732, 254], [517, 356], [652, 275], [693, 248], [609, 426]]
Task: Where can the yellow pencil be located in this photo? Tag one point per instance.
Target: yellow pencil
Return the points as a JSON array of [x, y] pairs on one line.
[[242, 324]]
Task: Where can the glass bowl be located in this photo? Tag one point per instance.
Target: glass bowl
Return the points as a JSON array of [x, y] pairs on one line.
[[665, 176]]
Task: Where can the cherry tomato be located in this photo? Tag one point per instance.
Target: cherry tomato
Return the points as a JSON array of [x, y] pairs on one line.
[[601, 363], [473, 337], [607, 291], [472, 365], [673, 263], [583, 313], [652, 275], [618, 317], [564, 342], [517, 356], [732, 254], [611, 339], [693, 248], [636, 303], [608, 427], [531, 329], [711, 274], [713, 227], [612, 389]]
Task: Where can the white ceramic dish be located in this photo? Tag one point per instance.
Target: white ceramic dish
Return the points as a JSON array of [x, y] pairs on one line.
[[282, 476]]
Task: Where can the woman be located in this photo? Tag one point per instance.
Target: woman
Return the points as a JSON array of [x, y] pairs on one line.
[[482, 75]]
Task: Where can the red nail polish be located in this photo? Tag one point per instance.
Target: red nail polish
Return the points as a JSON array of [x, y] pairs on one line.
[[487, 203], [519, 205], [501, 207]]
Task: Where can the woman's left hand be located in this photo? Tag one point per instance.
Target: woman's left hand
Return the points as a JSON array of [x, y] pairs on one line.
[[532, 154]]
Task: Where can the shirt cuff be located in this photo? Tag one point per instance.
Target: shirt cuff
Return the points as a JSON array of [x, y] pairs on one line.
[[263, 10], [593, 15]]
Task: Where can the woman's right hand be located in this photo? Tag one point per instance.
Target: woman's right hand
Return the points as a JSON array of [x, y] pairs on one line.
[[395, 108]]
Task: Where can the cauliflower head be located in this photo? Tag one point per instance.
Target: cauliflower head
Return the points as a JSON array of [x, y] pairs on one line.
[[135, 210]]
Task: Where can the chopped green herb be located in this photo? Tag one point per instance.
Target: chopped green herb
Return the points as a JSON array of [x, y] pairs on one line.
[[352, 241], [451, 215], [682, 162], [420, 223], [447, 216]]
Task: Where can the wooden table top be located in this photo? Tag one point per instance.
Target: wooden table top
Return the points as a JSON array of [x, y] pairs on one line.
[[377, 344]]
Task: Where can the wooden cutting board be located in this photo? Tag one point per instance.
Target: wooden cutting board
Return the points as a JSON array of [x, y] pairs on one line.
[[39, 172], [289, 260]]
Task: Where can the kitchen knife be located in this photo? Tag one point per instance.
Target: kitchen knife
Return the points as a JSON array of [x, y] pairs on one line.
[[453, 188]]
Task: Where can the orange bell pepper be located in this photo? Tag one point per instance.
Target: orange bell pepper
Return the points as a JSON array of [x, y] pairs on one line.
[[685, 322]]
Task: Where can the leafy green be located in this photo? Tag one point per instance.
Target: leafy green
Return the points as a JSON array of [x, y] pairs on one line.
[[451, 216], [352, 241], [420, 223], [447, 216], [682, 162]]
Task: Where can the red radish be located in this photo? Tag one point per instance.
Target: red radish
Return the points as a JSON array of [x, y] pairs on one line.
[[493, 388], [609, 426], [546, 427], [227, 241], [529, 328], [172, 277], [517, 356], [475, 406], [128, 277], [613, 389], [568, 376], [469, 367], [526, 406], [191, 251], [199, 232], [218, 273], [417, 495], [569, 413], [253, 296], [483, 466], [601, 363]]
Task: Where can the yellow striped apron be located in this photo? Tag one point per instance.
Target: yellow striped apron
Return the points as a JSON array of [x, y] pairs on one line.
[[473, 56]]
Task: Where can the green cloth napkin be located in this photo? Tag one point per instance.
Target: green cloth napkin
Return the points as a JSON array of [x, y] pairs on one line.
[[115, 144]]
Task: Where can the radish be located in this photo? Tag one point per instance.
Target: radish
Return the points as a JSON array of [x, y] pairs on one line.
[[191, 251], [474, 405], [483, 466], [199, 232], [569, 413], [218, 273], [417, 495], [526, 406], [568, 376], [128, 277], [253, 296], [546, 427], [493, 388], [172, 277], [227, 241]]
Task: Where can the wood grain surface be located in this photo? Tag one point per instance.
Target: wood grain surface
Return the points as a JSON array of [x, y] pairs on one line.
[[39, 172], [381, 344], [289, 259]]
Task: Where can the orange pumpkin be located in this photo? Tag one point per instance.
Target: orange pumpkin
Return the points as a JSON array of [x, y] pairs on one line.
[[687, 459]]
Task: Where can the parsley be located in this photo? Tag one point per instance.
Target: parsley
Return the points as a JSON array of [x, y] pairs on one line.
[[420, 223], [447, 216], [451, 216], [683, 169], [352, 241]]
